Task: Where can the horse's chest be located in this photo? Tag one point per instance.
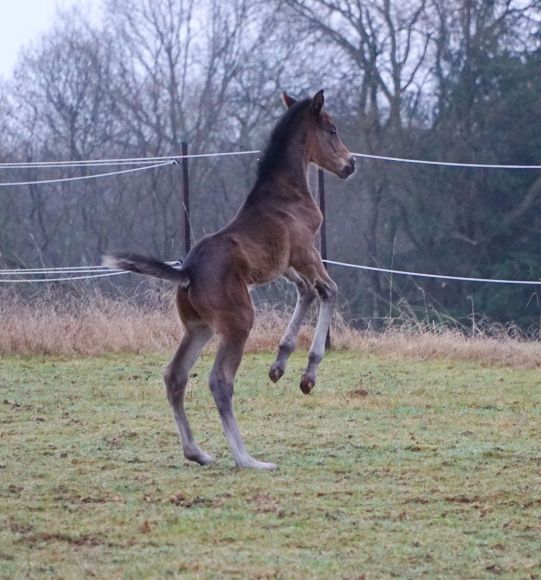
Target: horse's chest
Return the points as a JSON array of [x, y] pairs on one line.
[[306, 220]]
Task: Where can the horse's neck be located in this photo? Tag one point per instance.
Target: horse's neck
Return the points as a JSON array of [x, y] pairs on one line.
[[288, 181], [292, 176]]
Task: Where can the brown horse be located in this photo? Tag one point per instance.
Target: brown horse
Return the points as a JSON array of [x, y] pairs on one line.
[[272, 235]]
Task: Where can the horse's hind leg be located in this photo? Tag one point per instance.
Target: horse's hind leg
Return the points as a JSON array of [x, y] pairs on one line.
[[176, 379], [222, 379], [288, 342]]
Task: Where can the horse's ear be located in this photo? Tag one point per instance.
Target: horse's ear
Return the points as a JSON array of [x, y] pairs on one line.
[[317, 102], [288, 101]]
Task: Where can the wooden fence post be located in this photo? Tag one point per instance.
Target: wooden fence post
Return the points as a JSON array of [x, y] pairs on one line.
[[186, 199]]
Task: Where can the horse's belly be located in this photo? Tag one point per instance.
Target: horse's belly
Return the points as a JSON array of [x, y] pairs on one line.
[[267, 271]]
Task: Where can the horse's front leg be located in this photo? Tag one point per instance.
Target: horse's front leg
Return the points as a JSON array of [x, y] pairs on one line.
[[327, 290], [288, 342]]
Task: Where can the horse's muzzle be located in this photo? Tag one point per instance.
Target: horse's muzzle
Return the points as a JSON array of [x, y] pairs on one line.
[[348, 169]]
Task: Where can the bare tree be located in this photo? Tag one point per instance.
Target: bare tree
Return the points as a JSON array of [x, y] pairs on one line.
[[61, 110], [421, 78], [384, 49]]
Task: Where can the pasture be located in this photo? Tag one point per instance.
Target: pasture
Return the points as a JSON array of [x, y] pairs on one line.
[[392, 467]]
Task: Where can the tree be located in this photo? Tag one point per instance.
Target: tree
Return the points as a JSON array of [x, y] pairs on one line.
[[471, 220], [442, 80], [384, 47]]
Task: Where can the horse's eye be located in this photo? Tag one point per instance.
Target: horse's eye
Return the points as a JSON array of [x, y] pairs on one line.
[[332, 130]]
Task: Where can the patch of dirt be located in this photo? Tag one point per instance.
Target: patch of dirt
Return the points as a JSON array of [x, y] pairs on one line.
[[145, 527], [19, 528], [263, 502], [181, 500], [15, 489], [359, 393], [12, 404], [44, 537], [417, 448], [66, 495], [462, 499], [494, 569]]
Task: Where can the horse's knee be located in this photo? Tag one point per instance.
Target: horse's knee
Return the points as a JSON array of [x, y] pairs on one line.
[[327, 290], [169, 378], [221, 389], [175, 383], [306, 292]]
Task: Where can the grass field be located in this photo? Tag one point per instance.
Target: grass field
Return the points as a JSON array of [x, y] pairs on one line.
[[392, 467]]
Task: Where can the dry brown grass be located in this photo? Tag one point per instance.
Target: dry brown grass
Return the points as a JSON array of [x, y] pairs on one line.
[[92, 324]]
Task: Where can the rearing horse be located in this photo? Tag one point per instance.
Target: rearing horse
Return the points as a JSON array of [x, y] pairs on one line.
[[272, 235]]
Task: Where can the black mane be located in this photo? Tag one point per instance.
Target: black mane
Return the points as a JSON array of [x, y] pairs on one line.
[[279, 140]]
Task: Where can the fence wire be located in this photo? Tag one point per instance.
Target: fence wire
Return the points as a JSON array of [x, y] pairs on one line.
[[74, 273]]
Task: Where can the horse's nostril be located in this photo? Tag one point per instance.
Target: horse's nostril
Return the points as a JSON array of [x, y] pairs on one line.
[[350, 168], [347, 170]]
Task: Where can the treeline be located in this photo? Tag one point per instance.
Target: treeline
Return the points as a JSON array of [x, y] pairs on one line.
[[452, 80]]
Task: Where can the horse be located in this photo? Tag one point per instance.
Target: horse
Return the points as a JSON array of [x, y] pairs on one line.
[[272, 235]]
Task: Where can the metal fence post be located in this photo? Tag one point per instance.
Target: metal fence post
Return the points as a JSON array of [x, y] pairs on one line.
[[323, 234], [186, 198]]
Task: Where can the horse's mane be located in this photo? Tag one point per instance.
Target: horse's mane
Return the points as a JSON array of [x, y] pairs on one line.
[[279, 140]]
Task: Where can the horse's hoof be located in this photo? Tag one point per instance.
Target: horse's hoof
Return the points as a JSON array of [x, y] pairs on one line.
[[307, 385], [276, 373], [199, 456], [263, 465]]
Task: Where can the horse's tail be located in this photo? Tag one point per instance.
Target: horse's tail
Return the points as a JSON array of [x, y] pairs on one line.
[[146, 266]]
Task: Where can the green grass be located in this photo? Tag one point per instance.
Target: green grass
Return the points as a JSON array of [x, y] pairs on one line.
[[391, 468]]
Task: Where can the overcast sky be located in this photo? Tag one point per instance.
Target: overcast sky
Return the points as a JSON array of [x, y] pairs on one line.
[[21, 21]]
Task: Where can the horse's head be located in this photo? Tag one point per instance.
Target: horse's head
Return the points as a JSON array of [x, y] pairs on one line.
[[325, 148]]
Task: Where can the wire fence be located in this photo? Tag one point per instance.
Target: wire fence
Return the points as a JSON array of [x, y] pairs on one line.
[[76, 273], [86, 177], [89, 272]]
